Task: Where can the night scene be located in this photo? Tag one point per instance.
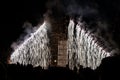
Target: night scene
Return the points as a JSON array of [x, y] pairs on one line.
[[60, 40]]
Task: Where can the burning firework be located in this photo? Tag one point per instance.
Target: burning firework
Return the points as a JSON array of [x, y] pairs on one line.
[[84, 47], [35, 50]]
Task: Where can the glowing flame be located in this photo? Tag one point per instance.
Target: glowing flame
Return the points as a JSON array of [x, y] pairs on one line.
[[35, 49], [83, 48]]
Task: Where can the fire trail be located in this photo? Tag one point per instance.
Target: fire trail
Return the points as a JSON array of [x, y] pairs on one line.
[[35, 49], [83, 48]]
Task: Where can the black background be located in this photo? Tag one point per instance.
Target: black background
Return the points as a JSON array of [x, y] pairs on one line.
[[14, 13]]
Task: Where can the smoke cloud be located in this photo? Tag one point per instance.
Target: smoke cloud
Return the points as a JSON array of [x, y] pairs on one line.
[[88, 10], [28, 29]]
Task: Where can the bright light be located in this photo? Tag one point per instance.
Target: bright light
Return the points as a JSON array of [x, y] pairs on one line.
[[35, 49], [55, 61], [82, 48]]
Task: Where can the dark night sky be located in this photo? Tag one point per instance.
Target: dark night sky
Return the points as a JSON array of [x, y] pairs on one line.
[[14, 14]]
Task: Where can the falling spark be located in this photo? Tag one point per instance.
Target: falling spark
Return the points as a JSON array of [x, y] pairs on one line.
[[34, 50], [83, 48]]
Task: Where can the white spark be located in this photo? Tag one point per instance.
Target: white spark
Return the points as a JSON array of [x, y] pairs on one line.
[[35, 49], [83, 49]]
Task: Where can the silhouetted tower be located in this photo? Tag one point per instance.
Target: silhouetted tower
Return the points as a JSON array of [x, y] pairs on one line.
[[58, 43]]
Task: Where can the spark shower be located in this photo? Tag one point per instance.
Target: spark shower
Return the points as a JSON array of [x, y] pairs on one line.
[[82, 48]]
